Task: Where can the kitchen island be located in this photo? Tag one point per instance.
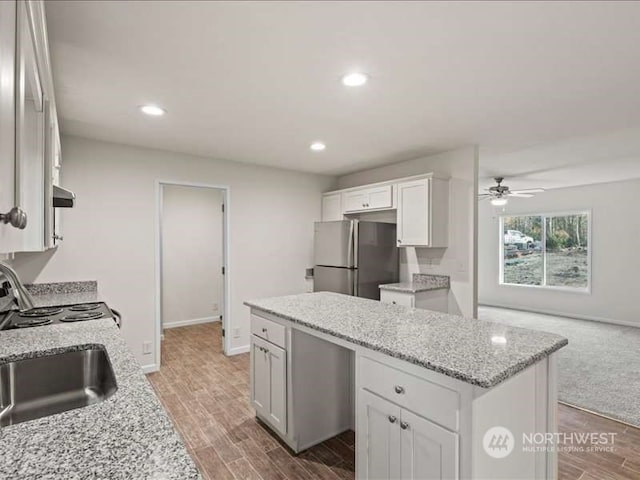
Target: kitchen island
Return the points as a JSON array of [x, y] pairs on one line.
[[127, 436], [425, 391]]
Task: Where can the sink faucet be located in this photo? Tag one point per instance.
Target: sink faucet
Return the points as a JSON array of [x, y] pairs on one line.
[[22, 298]]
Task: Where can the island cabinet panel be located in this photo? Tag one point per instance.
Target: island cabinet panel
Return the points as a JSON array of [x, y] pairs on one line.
[[271, 331], [378, 443], [268, 382], [430, 400], [427, 451]]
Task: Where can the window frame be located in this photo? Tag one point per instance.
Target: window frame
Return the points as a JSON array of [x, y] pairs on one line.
[[580, 290]]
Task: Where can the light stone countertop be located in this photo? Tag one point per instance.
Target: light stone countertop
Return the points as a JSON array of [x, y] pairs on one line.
[[455, 346], [420, 283], [128, 436]]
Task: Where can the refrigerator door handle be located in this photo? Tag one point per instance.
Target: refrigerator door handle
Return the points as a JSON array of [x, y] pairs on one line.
[[355, 289], [354, 243]]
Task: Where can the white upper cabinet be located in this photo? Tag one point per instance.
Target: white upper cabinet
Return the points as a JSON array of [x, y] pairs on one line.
[[30, 132], [9, 236], [422, 204], [370, 198], [29, 136], [331, 207], [423, 212]]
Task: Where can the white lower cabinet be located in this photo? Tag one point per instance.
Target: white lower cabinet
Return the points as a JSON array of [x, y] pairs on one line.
[[394, 443], [427, 451], [435, 300], [378, 432], [269, 382]]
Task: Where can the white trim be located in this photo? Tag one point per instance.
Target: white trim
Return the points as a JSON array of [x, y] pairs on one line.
[[238, 350], [226, 319], [575, 316], [192, 321], [153, 367]]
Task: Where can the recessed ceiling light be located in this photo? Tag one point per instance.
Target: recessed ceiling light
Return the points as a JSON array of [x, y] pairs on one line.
[[153, 110], [355, 79], [317, 146]]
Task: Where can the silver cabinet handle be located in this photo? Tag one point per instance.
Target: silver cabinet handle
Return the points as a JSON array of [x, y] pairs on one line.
[[392, 419], [16, 217], [404, 425], [399, 389], [58, 237]]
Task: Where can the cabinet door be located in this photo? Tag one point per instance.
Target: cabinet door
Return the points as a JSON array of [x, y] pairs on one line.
[[278, 383], [260, 378], [380, 197], [355, 201], [428, 452], [413, 213], [30, 133], [332, 207], [9, 236], [269, 382], [378, 437]]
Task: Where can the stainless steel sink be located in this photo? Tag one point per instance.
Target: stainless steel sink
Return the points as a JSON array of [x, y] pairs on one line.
[[38, 387]]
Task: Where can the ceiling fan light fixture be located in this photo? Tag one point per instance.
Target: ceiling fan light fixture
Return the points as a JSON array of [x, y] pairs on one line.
[[499, 201]]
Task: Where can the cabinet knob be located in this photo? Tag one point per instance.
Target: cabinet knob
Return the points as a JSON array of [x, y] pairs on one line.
[[264, 330], [392, 419], [16, 217], [394, 302], [58, 237], [404, 425], [399, 241], [399, 389]]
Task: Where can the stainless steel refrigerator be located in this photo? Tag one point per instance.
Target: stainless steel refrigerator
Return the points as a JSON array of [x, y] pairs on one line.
[[354, 257]]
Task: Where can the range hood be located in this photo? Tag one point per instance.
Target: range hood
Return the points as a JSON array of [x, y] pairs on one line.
[[62, 197]]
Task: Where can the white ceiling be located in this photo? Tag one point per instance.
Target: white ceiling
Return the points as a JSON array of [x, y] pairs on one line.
[[258, 81]]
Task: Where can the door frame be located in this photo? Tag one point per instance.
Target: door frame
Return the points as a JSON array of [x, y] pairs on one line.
[[226, 295]]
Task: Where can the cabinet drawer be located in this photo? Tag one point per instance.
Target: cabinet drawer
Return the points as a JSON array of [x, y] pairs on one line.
[[271, 331], [397, 298], [434, 402]]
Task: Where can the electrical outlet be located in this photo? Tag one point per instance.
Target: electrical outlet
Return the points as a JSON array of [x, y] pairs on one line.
[[215, 307], [236, 332], [146, 348]]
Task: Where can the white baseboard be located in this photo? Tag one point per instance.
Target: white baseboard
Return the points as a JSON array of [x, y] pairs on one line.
[[150, 368], [577, 316], [193, 321], [239, 350]]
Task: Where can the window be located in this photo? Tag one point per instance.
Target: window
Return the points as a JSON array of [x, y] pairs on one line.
[[546, 250]]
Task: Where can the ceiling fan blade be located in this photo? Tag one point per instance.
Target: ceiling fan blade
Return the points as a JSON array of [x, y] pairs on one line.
[[485, 195], [520, 195], [530, 190]]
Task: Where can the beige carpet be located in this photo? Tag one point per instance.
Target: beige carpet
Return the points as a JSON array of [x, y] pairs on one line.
[[600, 368]]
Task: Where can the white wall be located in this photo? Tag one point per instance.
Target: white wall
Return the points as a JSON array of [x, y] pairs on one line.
[[192, 255], [110, 235], [615, 260], [458, 260]]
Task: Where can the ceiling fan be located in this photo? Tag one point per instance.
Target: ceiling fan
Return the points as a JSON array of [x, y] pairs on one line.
[[499, 193]]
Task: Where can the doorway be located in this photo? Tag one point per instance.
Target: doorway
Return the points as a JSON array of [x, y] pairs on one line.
[[192, 257]]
